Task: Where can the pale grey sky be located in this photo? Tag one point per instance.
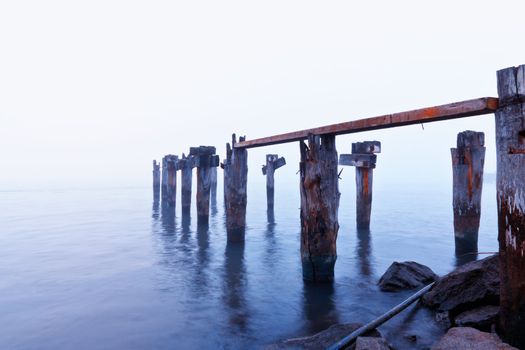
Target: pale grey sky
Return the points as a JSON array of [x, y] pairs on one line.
[[92, 91]]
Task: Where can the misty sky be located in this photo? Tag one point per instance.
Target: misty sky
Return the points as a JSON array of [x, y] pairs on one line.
[[92, 91]]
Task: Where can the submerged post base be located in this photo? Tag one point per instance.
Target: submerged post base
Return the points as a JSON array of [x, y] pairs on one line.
[[319, 268], [236, 234]]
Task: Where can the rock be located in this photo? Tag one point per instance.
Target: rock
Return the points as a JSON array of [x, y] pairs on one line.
[[481, 318], [466, 338], [371, 343], [322, 339], [406, 275], [475, 283]]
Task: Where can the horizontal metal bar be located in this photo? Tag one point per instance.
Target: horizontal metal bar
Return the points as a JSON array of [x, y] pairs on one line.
[[469, 108]]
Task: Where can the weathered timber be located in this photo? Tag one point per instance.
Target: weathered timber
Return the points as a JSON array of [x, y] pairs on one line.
[[156, 179], [469, 108], [319, 206], [186, 173], [273, 162], [364, 160], [235, 195], [171, 186], [205, 159], [510, 148], [213, 177], [164, 183], [467, 175]]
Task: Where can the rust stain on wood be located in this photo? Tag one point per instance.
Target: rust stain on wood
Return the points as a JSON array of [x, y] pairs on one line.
[[468, 108]]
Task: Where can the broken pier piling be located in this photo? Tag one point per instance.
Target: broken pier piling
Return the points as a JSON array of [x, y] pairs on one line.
[[205, 159], [468, 159], [273, 162], [510, 186], [156, 179], [235, 192], [319, 206], [172, 165], [186, 164], [364, 161]]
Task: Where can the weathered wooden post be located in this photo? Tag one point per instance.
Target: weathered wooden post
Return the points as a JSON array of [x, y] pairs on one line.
[[156, 179], [173, 166], [164, 184], [467, 176], [213, 180], [510, 148], [364, 160], [319, 206], [186, 165], [235, 180], [273, 162], [205, 159]]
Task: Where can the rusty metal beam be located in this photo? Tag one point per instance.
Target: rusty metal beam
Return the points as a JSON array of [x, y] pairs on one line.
[[469, 108]]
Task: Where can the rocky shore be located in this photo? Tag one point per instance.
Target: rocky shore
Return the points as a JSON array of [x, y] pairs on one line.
[[465, 302]]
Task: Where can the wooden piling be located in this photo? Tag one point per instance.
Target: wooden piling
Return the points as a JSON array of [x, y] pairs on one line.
[[510, 148], [171, 189], [164, 183], [213, 180], [186, 165], [319, 206], [273, 162], [205, 159], [467, 175], [364, 160], [156, 179], [235, 195]]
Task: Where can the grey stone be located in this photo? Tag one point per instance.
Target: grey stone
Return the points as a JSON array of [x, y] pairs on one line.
[[481, 318], [406, 275], [475, 283], [466, 338], [322, 339], [371, 343]]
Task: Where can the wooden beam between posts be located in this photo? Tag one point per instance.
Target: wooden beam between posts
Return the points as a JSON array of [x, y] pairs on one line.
[[319, 207], [467, 175], [469, 108], [510, 149]]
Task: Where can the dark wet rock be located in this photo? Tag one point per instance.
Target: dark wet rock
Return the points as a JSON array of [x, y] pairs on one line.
[[443, 319], [322, 339], [475, 283], [481, 318], [467, 338], [406, 275], [371, 343]]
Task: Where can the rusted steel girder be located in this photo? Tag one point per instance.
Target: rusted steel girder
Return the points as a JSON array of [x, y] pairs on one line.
[[469, 108]]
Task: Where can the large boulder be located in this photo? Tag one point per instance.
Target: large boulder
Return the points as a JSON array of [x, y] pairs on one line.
[[406, 275], [466, 338], [371, 343], [482, 318], [473, 284], [323, 339]]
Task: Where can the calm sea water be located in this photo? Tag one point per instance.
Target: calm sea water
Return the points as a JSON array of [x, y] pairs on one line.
[[110, 269]]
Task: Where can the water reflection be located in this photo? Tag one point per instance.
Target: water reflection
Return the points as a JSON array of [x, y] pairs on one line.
[[234, 287], [168, 218], [364, 251], [201, 279], [155, 214], [319, 307], [271, 243]]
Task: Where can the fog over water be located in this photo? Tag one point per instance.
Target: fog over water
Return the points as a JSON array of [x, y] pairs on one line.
[[91, 92]]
